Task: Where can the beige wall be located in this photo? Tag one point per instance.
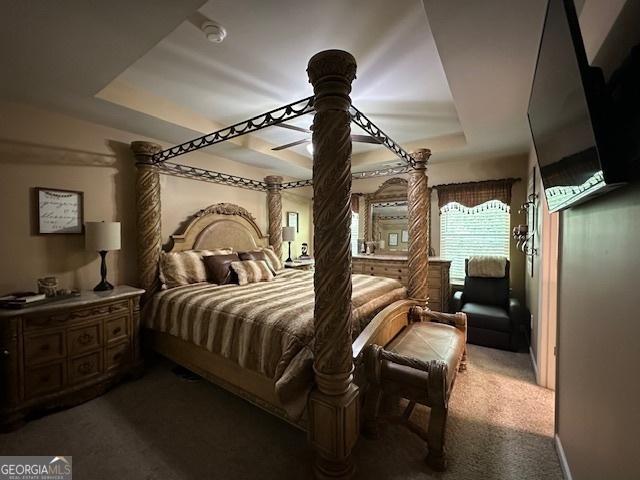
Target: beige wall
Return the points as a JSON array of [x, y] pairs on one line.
[[292, 201], [598, 414], [473, 171], [44, 149]]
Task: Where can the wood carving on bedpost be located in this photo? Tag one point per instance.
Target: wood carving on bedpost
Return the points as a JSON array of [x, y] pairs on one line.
[[418, 203], [274, 205], [333, 404], [149, 234]]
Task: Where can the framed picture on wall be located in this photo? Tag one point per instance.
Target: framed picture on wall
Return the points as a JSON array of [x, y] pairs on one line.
[[393, 239], [59, 211], [292, 220], [404, 236]]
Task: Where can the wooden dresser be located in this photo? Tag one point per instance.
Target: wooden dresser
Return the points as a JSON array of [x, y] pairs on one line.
[[396, 266], [63, 353]]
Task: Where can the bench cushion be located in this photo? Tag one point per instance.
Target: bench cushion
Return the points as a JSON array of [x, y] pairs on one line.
[[428, 341]]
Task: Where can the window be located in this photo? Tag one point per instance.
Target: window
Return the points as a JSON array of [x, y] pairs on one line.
[[355, 224], [481, 230]]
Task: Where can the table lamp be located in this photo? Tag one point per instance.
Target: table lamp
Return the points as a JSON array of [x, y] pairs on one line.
[[289, 235], [102, 237]]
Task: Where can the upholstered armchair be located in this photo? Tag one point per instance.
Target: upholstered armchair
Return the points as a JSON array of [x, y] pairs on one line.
[[493, 319]]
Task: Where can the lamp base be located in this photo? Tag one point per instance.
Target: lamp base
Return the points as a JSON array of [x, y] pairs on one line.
[[288, 260], [103, 286]]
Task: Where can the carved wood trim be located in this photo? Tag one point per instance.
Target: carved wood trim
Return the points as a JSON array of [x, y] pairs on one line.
[[418, 202], [274, 205], [389, 191], [148, 209], [333, 405], [208, 217]]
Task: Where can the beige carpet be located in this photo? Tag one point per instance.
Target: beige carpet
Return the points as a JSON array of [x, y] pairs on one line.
[[161, 427]]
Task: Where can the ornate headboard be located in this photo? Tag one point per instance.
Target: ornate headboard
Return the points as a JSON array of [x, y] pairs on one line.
[[221, 225]]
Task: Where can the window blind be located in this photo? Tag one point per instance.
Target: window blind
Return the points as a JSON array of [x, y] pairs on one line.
[[354, 233], [480, 230]]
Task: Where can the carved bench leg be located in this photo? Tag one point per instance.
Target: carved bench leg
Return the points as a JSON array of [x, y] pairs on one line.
[[435, 439], [373, 397], [463, 361], [370, 411]]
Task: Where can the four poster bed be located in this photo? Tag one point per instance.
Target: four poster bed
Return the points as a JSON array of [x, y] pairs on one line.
[[293, 346]]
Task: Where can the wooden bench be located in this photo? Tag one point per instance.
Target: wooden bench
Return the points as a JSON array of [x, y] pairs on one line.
[[419, 364]]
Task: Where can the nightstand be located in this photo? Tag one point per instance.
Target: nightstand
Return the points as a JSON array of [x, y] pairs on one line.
[[67, 352], [301, 264]]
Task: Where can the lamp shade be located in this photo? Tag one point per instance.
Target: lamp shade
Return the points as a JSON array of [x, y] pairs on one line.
[[288, 234], [102, 236]]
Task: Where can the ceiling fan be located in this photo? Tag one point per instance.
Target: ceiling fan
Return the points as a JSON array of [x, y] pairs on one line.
[[355, 138]]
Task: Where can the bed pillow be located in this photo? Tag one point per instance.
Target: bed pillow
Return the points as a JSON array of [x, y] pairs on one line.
[[257, 255], [184, 268], [252, 271], [219, 270], [273, 259]]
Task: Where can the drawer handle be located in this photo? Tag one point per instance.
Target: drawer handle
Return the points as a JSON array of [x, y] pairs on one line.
[[45, 347], [5, 353], [81, 314], [117, 330], [85, 339], [85, 367]]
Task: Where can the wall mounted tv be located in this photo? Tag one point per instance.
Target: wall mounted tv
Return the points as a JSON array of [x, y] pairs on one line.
[[570, 116]]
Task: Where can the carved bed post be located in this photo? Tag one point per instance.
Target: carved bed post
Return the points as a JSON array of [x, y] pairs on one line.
[[149, 241], [274, 201], [333, 404], [418, 203]]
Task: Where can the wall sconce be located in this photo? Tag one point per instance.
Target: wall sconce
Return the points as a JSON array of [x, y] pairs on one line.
[[521, 233]]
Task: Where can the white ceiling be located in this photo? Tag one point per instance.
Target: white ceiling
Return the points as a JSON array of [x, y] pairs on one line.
[[156, 75], [401, 85]]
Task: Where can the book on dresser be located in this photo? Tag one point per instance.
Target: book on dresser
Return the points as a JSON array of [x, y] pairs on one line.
[[66, 352]]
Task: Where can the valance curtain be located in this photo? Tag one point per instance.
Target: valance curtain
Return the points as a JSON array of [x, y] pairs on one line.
[[472, 194]]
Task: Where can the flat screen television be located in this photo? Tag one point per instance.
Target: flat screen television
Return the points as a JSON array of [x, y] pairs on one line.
[[570, 117]]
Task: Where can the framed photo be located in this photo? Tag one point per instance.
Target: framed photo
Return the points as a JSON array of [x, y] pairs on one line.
[[59, 211], [404, 236], [393, 240], [292, 220]]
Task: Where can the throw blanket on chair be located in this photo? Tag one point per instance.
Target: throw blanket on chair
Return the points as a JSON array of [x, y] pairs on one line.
[[489, 266]]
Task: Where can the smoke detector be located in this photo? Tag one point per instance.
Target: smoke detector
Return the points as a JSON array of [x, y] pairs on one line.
[[215, 33]]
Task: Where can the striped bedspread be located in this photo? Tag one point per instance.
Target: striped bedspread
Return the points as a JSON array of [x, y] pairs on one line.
[[266, 327]]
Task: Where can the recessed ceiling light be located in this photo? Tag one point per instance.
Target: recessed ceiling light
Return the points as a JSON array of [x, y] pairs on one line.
[[215, 33], [310, 148]]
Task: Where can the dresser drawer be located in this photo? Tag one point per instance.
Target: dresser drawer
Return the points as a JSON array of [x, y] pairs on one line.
[[84, 339], [391, 270], [43, 380], [43, 348], [85, 367], [435, 305], [75, 315], [116, 329], [117, 355], [435, 273], [435, 292]]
